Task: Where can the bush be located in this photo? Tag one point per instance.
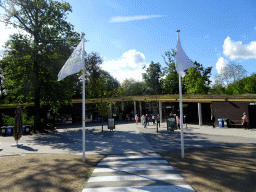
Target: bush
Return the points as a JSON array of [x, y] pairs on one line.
[[9, 120]]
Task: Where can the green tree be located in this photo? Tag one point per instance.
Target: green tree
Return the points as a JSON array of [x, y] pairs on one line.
[[131, 87], [104, 85], [170, 84], [217, 89], [152, 79], [243, 86], [34, 59], [92, 72], [231, 73], [197, 80]]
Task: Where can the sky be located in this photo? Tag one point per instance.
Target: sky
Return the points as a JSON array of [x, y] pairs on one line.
[[129, 34]]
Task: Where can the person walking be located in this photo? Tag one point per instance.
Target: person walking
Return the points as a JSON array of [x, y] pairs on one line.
[[142, 119], [158, 120], [213, 120], [178, 121], [185, 121], [145, 121], [148, 119], [245, 121], [136, 119], [153, 119]]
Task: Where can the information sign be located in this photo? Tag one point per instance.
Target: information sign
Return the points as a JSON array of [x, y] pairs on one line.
[[171, 123], [111, 123]]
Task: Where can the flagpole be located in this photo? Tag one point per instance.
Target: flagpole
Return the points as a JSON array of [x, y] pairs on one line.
[[181, 113], [83, 108]]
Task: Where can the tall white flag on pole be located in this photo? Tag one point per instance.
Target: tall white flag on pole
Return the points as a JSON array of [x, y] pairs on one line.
[[182, 60], [73, 65], [182, 63]]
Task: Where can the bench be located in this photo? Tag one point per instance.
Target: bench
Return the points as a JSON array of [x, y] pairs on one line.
[[234, 123]]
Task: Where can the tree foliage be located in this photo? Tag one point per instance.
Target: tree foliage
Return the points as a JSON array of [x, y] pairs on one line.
[[34, 58], [243, 86], [197, 79], [170, 84], [152, 79], [103, 86], [131, 87], [231, 73]]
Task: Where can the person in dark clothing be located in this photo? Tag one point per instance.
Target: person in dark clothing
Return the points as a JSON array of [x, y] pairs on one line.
[[145, 121], [158, 120], [213, 120]]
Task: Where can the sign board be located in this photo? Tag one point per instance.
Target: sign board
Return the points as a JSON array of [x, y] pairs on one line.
[[171, 123], [252, 103], [111, 123], [167, 107]]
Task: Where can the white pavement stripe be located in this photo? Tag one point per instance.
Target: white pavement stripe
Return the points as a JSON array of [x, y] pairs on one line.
[[135, 178], [164, 188], [132, 157], [131, 162], [102, 170]]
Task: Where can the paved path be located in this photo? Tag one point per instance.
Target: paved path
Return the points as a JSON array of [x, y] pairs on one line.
[[129, 139], [135, 173]]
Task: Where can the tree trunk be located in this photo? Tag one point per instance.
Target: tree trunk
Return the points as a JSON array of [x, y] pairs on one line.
[[37, 120]]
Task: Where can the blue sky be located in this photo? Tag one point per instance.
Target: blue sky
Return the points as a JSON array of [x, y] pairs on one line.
[[129, 34]]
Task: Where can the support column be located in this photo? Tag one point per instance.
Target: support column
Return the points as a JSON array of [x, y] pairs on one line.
[[122, 106], [134, 109], [160, 112], [140, 110], [200, 114], [118, 113], [110, 110]]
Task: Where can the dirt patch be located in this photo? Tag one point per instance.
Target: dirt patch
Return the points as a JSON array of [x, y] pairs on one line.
[[46, 172], [217, 169]]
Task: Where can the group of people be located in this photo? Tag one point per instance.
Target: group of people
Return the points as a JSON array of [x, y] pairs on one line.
[[145, 119]]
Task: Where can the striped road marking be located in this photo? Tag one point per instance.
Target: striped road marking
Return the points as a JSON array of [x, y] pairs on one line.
[[132, 157], [135, 174], [133, 169], [175, 188], [131, 162]]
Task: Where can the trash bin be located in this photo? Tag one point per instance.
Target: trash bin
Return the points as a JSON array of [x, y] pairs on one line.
[[3, 131], [111, 124], [9, 130], [226, 122], [26, 130], [221, 122]]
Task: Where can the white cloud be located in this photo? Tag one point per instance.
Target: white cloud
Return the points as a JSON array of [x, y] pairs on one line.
[[6, 31], [128, 66], [119, 19], [236, 50], [255, 28], [221, 63]]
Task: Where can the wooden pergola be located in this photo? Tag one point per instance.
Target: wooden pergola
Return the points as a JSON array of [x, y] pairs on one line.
[[195, 98]]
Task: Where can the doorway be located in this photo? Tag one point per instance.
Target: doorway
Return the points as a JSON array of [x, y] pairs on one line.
[[252, 115]]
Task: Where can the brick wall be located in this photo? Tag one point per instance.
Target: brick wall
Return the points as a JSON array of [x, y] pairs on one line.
[[228, 109]]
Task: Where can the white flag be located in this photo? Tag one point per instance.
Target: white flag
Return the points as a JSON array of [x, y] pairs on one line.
[[74, 63], [182, 60]]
